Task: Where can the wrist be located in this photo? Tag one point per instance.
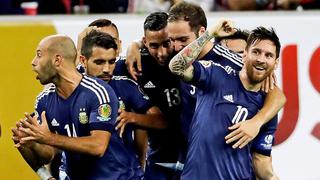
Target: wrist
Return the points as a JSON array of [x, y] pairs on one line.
[[44, 173]]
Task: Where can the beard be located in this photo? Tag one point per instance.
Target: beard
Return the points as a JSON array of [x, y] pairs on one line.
[[47, 75], [256, 77]]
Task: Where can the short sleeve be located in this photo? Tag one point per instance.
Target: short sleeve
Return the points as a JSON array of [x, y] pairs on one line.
[[104, 109], [263, 142]]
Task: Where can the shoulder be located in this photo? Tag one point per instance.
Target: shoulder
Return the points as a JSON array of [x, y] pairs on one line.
[[124, 79], [48, 89], [96, 88], [228, 54]]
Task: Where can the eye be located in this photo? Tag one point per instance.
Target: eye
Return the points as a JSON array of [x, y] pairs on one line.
[[154, 46], [269, 55], [112, 61], [38, 54], [166, 44], [99, 62]]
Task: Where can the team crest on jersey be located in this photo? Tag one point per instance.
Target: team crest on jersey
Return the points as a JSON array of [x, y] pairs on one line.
[[104, 112], [205, 64], [83, 118]]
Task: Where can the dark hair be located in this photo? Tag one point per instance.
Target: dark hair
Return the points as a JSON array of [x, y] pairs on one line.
[[103, 23], [155, 21], [239, 34], [261, 33], [97, 39], [192, 13]]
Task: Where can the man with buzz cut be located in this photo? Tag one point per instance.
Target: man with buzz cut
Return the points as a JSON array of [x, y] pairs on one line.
[[78, 116]]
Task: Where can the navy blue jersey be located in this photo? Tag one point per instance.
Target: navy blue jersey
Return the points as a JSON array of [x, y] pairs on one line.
[[121, 68], [263, 142], [218, 54], [131, 98], [223, 102], [92, 106]]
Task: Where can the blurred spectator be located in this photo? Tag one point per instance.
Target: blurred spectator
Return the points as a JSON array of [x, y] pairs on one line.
[[244, 5], [54, 6], [149, 6], [293, 4], [107, 6], [206, 5]]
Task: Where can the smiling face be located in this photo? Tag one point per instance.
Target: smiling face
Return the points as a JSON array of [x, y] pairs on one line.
[[260, 60], [158, 45], [180, 34], [101, 63]]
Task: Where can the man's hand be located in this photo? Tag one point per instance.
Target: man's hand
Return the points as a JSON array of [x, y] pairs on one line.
[[134, 57], [223, 28], [83, 34], [269, 83], [123, 119], [36, 132], [243, 132]]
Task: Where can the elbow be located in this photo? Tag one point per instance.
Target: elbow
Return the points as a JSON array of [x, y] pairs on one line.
[[99, 150], [283, 100]]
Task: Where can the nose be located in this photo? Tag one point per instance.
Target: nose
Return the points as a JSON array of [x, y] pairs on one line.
[[34, 62], [106, 68], [162, 52], [178, 46]]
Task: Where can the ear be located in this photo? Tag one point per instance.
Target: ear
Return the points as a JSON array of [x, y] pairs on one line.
[[201, 30], [120, 46], [57, 59], [276, 64], [244, 56], [144, 40], [83, 60]]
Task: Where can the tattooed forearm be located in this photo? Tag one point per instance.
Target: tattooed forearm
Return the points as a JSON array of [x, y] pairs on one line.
[[186, 56]]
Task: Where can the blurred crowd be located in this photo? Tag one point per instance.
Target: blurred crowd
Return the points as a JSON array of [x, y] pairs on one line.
[[147, 6]]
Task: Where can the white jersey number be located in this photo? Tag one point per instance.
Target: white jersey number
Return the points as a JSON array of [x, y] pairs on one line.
[[240, 115], [173, 96], [74, 133]]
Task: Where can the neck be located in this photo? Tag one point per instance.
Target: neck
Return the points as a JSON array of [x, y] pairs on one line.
[[67, 82], [247, 84]]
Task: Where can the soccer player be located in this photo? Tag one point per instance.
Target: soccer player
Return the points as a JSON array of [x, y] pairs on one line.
[[185, 23], [98, 55], [231, 96], [78, 115], [162, 87]]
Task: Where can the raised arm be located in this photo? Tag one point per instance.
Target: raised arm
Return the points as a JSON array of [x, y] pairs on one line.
[[181, 64]]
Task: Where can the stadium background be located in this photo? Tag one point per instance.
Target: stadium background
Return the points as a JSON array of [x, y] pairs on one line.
[[296, 154]]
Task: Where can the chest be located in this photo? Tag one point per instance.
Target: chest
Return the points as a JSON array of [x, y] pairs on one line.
[[69, 117]]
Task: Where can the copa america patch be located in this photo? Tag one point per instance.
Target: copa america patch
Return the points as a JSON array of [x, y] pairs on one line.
[[104, 112]]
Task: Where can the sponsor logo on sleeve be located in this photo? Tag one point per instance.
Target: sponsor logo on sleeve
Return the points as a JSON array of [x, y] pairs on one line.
[[267, 144]]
